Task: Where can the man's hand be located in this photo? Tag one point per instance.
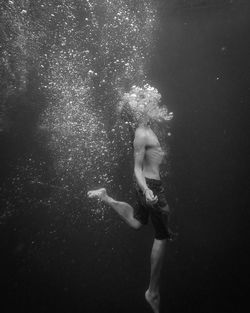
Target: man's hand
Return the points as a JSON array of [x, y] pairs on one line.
[[150, 198]]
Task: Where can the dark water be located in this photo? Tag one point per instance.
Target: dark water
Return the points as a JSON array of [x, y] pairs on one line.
[[59, 251]]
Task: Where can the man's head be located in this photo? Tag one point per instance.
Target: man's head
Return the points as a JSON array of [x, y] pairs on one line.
[[141, 105]]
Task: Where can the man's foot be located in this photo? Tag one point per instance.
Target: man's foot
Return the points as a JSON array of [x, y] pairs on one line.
[[100, 194], [153, 300]]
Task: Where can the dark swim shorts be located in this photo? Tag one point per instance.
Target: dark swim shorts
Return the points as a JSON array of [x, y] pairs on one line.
[[158, 212]]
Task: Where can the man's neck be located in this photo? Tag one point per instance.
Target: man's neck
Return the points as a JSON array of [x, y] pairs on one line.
[[145, 125]]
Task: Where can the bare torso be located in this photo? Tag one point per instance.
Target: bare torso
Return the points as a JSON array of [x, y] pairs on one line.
[[153, 156]]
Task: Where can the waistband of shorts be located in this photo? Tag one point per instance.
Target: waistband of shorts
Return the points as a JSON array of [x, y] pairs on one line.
[[155, 182], [150, 181]]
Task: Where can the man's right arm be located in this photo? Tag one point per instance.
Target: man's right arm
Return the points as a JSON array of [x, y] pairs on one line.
[[139, 154]]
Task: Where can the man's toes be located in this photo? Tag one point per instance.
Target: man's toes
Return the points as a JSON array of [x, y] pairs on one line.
[[90, 194]]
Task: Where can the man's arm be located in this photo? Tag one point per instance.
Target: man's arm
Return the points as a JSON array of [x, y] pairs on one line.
[[139, 154]]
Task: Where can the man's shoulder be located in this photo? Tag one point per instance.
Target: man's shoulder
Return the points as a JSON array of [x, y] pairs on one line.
[[141, 132], [141, 136]]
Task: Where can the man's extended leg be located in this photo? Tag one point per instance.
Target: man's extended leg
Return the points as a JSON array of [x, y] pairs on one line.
[[157, 255], [160, 223], [122, 208]]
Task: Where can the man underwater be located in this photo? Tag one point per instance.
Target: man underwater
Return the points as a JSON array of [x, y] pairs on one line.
[[140, 108]]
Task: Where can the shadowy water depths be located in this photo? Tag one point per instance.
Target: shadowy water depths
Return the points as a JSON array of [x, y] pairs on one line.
[[201, 68]]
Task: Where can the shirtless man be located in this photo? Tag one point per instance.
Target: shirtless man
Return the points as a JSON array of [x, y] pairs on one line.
[[151, 200]]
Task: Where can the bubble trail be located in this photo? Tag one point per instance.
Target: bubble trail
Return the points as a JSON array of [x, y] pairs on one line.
[[86, 55], [85, 84]]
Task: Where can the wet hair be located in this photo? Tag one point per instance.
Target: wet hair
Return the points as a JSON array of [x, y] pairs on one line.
[[141, 101]]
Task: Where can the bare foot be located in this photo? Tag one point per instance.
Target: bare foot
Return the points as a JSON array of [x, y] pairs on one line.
[[101, 194], [153, 300]]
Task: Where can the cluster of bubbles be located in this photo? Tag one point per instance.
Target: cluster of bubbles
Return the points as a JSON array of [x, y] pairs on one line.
[[78, 142], [81, 58], [85, 83]]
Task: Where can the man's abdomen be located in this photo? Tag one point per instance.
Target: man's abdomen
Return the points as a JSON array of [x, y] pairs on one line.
[[151, 164], [152, 172]]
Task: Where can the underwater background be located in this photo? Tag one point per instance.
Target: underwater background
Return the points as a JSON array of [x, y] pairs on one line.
[[64, 66]]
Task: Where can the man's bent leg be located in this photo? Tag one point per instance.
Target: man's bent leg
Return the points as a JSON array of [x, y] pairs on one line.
[[125, 210], [157, 255]]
